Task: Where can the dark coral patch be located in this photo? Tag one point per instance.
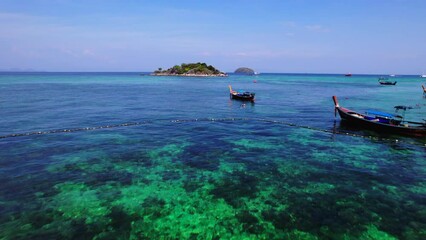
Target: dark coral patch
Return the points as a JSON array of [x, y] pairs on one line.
[[202, 157], [250, 222], [192, 185], [280, 219], [329, 215], [101, 178], [170, 175], [137, 158], [121, 222], [153, 206], [236, 186]]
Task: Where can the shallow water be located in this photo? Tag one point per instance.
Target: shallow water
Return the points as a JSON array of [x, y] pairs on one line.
[[226, 169]]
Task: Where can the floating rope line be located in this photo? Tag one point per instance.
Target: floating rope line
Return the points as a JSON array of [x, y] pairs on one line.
[[74, 129], [129, 124], [70, 130], [344, 133]]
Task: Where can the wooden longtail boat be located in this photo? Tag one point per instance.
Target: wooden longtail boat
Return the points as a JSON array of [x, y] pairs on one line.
[[385, 81], [424, 89], [244, 96], [381, 122]]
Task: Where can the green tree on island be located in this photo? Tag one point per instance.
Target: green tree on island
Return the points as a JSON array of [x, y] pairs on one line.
[[190, 69]]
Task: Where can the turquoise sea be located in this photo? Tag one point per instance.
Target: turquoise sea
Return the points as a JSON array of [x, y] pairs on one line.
[[131, 156]]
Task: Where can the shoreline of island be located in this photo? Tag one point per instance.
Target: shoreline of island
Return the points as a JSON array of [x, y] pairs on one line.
[[188, 75], [190, 70]]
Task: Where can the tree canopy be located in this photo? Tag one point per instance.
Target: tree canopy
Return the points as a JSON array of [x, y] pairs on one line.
[[190, 69]]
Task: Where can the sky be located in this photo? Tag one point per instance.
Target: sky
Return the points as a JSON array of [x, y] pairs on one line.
[[276, 36]]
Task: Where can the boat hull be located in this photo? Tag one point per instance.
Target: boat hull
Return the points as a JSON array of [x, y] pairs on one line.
[[357, 119], [242, 97], [387, 83]]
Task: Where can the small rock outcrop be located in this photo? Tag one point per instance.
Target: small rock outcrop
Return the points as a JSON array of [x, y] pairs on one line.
[[245, 71]]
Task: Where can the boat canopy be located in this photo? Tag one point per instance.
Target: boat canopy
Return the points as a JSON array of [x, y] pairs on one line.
[[382, 114]]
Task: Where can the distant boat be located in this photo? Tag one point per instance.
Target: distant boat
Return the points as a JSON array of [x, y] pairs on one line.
[[384, 81], [244, 96], [348, 75], [423, 75], [392, 75], [381, 122]]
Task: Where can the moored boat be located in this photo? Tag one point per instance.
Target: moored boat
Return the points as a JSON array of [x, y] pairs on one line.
[[424, 89], [381, 122], [385, 81], [244, 96]]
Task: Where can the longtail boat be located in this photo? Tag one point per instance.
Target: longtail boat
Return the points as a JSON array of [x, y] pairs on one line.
[[385, 81], [244, 96], [381, 122], [424, 89]]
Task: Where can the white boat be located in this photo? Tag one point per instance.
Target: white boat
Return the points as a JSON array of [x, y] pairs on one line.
[[423, 75]]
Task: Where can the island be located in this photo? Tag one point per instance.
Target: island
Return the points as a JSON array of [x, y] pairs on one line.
[[190, 70], [245, 71]]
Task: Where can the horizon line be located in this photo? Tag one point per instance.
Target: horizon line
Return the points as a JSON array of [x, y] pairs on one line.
[[144, 72]]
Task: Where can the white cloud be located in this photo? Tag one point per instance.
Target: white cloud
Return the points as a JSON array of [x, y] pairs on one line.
[[317, 28], [206, 54], [288, 24], [88, 52]]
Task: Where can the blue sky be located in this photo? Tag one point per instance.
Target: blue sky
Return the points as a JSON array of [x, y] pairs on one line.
[[293, 36]]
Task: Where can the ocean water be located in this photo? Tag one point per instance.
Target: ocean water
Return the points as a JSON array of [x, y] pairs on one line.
[[130, 156]]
